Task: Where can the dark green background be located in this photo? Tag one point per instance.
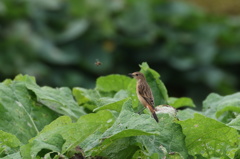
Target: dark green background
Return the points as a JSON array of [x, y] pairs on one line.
[[59, 41]]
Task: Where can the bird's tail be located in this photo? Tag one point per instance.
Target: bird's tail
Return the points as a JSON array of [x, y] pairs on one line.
[[154, 115]]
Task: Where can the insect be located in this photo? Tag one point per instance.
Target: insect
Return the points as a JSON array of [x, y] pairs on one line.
[[98, 63]]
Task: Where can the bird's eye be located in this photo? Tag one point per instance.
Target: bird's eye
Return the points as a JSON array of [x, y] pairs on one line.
[[136, 74]]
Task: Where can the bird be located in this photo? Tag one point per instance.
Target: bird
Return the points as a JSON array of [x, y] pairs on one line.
[[144, 93]]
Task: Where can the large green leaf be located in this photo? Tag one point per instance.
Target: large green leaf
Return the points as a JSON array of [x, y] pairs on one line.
[[219, 107], [59, 100], [62, 135], [112, 83], [170, 139], [158, 88], [180, 102], [133, 132], [49, 138], [209, 138], [20, 113]]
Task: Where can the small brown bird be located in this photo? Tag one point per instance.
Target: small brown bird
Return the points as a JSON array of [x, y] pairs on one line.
[[144, 93]]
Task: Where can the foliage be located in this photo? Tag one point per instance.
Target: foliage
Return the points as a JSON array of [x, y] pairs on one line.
[[102, 122], [58, 42]]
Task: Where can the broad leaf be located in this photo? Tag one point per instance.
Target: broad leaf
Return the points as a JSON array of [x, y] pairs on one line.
[[62, 135], [20, 114], [59, 100], [216, 106], [130, 129], [112, 83], [209, 138], [180, 102]]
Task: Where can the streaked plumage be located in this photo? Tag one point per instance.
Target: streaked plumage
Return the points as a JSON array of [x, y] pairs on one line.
[[144, 93]]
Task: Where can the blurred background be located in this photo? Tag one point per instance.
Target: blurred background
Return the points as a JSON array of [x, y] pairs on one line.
[[193, 44]]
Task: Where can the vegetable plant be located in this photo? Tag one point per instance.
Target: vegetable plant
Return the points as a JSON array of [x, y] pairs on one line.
[[45, 122]]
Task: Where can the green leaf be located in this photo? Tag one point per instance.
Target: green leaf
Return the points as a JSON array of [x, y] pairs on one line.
[[38, 147], [112, 83], [50, 139], [235, 123], [131, 129], [13, 156], [59, 100], [186, 114], [8, 143], [158, 88], [180, 102], [120, 148], [209, 137], [62, 135], [20, 113], [74, 29], [170, 139], [127, 124], [86, 97], [132, 94], [114, 103], [216, 106]]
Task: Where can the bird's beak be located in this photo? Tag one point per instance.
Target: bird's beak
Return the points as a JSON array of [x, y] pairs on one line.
[[130, 74]]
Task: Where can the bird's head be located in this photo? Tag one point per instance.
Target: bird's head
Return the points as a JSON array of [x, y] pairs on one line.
[[137, 75]]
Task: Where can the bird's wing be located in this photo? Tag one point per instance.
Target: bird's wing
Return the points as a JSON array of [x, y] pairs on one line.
[[145, 91]]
